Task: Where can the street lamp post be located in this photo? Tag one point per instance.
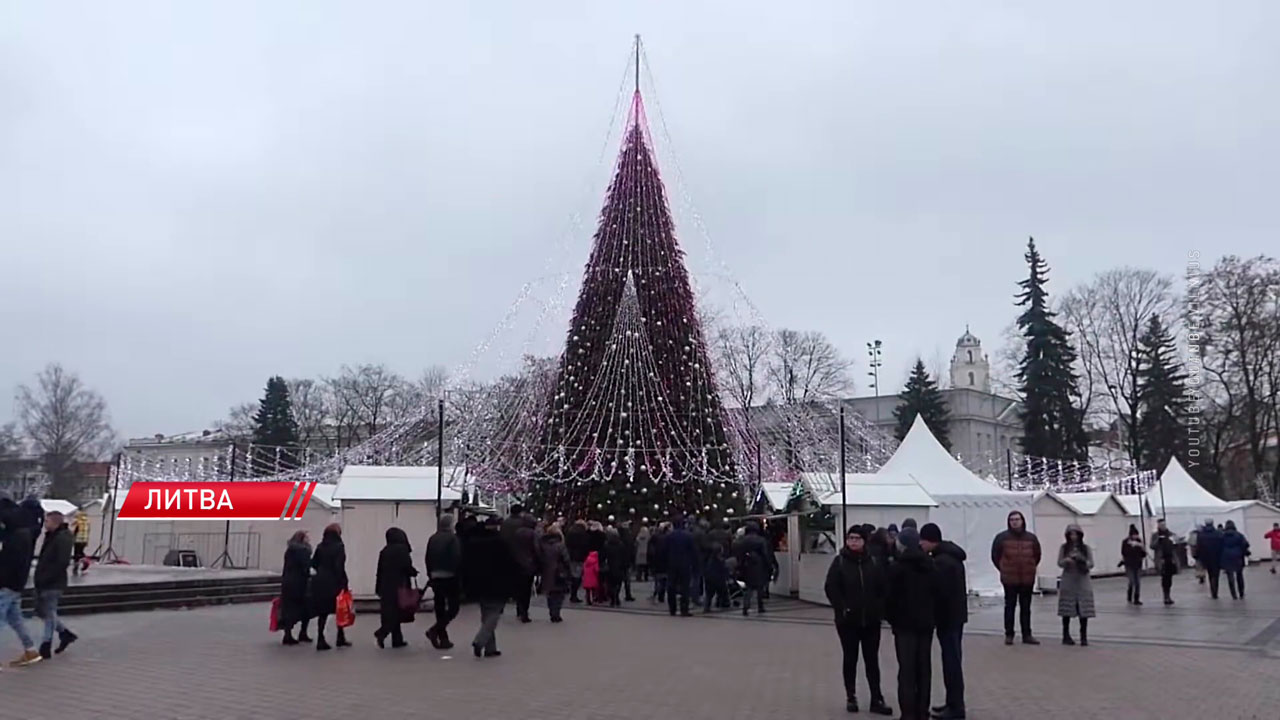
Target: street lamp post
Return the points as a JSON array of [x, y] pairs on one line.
[[873, 353]]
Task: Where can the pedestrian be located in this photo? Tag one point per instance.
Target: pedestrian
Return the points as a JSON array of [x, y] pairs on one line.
[[613, 566], [1016, 554], [952, 614], [294, 578], [33, 515], [490, 573], [1235, 550], [330, 563], [1075, 588], [591, 578], [912, 613], [15, 568], [1274, 536], [699, 529], [716, 577], [1164, 550], [1132, 556], [576, 540], [628, 559], [522, 541], [682, 555], [80, 527], [444, 565], [395, 572], [554, 570], [642, 552], [754, 566], [1193, 538], [857, 587], [658, 561], [51, 581], [1209, 555]]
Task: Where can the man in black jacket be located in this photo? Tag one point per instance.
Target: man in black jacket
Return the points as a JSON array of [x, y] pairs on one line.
[[489, 573], [953, 612], [856, 587], [444, 565], [15, 568], [682, 556], [51, 581], [912, 613]]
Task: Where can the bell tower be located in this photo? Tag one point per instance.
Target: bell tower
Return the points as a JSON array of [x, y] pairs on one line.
[[970, 367]]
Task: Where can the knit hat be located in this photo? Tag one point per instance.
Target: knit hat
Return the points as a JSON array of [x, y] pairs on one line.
[[909, 538], [857, 530], [893, 528], [910, 523], [1133, 530], [931, 532]]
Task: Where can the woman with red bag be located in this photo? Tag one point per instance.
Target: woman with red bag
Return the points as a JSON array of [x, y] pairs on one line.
[[395, 573], [293, 588], [330, 563]]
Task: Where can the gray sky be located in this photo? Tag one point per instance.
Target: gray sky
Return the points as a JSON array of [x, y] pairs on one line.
[[194, 196]]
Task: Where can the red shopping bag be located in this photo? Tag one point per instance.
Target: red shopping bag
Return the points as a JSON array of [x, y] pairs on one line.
[[275, 614], [345, 610]]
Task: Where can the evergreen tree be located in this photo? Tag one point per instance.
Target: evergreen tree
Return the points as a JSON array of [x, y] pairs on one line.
[[1052, 425], [1162, 400], [274, 427], [923, 398]]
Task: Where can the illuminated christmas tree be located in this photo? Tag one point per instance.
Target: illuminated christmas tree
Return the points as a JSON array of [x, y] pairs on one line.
[[635, 429]]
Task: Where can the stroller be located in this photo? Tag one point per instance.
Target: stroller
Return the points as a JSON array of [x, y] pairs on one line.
[[736, 587]]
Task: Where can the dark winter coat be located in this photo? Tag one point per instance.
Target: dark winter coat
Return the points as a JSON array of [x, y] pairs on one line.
[[1234, 547], [595, 541], [682, 553], [55, 557], [1209, 547], [488, 569], [629, 545], [857, 587], [15, 553], [657, 554], [755, 565], [395, 566], [1016, 554], [444, 555], [553, 564], [523, 543], [294, 577], [913, 592], [1075, 586], [953, 594], [577, 542], [723, 537], [1132, 554], [715, 571], [613, 560], [1165, 551], [330, 564], [33, 515]]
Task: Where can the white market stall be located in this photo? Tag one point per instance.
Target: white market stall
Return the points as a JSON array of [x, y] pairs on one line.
[[376, 498], [1105, 523], [1186, 504], [1052, 516], [1259, 517], [970, 510]]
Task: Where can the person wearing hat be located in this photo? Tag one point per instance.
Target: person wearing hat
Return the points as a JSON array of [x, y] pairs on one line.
[[912, 613], [1132, 556], [1164, 553], [857, 587], [1075, 587], [953, 612]]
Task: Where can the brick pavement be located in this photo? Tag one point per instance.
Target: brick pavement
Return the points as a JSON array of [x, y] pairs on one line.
[[221, 663]]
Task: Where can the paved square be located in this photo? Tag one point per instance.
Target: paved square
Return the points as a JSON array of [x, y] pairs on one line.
[[638, 663]]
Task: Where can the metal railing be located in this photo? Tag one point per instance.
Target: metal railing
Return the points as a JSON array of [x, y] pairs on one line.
[[244, 548]]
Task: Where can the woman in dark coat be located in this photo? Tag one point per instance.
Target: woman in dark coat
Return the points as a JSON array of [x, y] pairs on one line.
[[395, 571], [293, 587], [614, 565], [330, 563]]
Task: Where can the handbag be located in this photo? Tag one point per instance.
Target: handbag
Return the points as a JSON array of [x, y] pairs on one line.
[[408, 599], [274, 620], [345, 609]]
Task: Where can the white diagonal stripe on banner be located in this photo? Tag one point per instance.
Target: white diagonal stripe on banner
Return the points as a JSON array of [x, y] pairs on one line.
[[297, 512], [284, 511]]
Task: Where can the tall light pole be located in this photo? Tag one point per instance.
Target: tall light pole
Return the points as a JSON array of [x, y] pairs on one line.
[[873, 354]]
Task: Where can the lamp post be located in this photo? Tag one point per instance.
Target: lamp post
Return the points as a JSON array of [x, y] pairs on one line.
[[873, 354]]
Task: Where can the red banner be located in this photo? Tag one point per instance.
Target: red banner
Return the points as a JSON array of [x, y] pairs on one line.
[[216, 501]]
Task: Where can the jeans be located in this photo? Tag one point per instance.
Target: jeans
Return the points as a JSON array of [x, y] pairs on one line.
[[1135, 583], [748, 593], [11, 613], [446, 593], [660, 586], [678, 586], [1215, 576], [915, 671], [523, 594], [1235, 582], [1166, 580], [866, 637], [950, 642], [490, 614], [555, 601], [47, 607], [1013, 596]]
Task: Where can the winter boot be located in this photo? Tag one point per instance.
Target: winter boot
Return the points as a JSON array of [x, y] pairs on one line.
[[288, 637], [65, 638], [342, 639], [321, 643], [878, 707], [851, 705], [1137, 598], [46, 650], [1084, 632], [1128, 596], [303, 637], [1066, 632]]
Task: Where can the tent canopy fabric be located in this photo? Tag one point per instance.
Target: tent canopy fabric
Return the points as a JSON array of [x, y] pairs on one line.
[[922, 458], [871, 489], [1091, 503], [1177, 489], [66, 507], [392, 484]]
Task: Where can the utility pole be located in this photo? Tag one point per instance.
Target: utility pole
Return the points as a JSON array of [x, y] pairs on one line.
[[873, 353]]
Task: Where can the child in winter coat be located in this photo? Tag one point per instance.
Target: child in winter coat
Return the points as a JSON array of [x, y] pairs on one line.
[[591, 577]]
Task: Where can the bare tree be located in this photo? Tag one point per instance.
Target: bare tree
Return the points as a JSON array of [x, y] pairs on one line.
[[311, 402], [1004, 371], [1107, 317], [807, 367], [239, 421], [741, 361], [67, 422]]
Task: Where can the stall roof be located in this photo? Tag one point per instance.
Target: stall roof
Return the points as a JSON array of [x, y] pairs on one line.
[[323, 494], [778, 493], [392, 483], [1181, 491], [66, 507], [1132, 504], [881, 493], [1090, 503], [922, 458]]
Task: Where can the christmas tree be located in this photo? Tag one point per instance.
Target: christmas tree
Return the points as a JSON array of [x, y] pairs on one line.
[[1053, 427], [922, 397], [635, 429], [275, 432], [1162, 398]]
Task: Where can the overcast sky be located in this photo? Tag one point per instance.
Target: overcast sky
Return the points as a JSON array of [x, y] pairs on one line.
[[194, 196]]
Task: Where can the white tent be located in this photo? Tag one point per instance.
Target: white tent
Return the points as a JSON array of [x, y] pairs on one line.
[[376, 498], [1258, 519], [66, 507], [1186, 504], [1105, 523], [970, 510], [876, 499], [1052, 516]]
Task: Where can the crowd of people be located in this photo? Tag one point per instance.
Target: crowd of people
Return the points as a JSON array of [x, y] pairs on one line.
[[21, 527]]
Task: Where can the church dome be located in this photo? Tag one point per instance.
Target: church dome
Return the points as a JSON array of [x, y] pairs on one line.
[[968, 339]]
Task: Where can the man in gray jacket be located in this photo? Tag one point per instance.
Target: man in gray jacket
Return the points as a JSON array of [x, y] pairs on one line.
[[444, 563]]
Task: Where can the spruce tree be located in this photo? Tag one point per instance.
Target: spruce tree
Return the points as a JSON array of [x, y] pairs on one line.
[[1162, 400], [274, 427], [923, 398], [1052, 425]]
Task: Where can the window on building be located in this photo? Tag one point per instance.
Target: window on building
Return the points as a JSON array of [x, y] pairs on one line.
[[970, 377], [970, 358]]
